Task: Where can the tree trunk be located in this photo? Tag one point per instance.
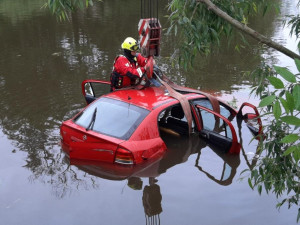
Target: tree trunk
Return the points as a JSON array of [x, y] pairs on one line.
[[242, 27]]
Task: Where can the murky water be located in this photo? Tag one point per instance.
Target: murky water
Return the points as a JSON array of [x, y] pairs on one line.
[[42, 64]]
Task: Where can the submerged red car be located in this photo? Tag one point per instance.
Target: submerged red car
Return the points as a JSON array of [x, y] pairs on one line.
[[125, 126]]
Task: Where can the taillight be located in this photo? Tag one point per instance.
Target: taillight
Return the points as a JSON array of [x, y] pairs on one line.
[[124, 157]]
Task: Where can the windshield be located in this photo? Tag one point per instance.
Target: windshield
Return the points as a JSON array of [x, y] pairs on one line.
[[112, 117]]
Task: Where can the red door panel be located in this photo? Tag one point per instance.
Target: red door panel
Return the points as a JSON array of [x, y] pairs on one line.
[[93, 89], [250, 115]]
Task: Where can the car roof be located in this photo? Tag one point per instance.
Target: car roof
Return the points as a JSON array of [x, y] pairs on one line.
[[149, 98]]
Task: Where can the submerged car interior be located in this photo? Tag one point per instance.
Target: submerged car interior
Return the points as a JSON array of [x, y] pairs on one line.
[[214, 128], [172, 120]]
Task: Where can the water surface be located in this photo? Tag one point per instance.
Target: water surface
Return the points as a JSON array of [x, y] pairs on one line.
[[42, 64]]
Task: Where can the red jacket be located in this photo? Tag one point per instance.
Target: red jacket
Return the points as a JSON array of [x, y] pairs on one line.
[[127, 71]]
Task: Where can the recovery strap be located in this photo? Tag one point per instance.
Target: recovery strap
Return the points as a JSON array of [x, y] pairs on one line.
[[213, 100]]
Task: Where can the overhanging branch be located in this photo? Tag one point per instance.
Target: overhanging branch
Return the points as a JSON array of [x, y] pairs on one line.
[[244, 28]]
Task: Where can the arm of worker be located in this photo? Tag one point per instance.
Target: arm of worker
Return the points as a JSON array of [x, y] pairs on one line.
[[142, 61], [124, 68]]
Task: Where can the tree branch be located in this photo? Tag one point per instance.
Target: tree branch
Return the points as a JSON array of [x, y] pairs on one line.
[[244, 28]]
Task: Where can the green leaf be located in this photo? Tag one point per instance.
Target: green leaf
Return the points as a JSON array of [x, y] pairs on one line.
[[289, 150], [245, 170], [290, 138], [290, 101], [284, 104], [296, 95], [277, 110], [286, 74], [250, 183], [297, 62], [292, 120], [296, 154], [259, 188], [267, 101], [276, 82]]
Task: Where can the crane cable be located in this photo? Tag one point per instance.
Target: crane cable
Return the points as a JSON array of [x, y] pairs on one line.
[[149, 9]]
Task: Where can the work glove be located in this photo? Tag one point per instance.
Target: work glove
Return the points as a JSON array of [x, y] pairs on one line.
[[141, 71]]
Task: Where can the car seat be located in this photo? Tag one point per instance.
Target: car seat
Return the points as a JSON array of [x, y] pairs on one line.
[[175, 121]]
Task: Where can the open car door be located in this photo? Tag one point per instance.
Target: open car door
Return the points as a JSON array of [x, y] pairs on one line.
[[93, 89], [217, 128], [250, 115]]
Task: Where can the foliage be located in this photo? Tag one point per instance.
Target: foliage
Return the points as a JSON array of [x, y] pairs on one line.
[[278, 170], [61, 7], [199, 28], [294, 22]]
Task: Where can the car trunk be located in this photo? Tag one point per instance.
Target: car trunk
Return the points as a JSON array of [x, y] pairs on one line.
[[89, 145]]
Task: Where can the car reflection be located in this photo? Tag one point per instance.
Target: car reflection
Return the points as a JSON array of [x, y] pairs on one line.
[[179, 151]]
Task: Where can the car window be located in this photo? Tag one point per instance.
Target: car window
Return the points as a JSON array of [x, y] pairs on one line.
[[206, 103], [173, 118], [210, 123], [112, 117], [96, 89]]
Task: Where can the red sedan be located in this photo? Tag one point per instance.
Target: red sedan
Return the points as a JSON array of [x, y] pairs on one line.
[[125, 126]]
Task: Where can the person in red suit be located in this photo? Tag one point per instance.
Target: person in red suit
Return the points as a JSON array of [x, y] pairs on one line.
[[128, 68]]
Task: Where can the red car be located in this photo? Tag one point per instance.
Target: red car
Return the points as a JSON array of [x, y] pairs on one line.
[[125, 126]]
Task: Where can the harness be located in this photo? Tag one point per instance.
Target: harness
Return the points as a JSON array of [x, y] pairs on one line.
[[116, 79]]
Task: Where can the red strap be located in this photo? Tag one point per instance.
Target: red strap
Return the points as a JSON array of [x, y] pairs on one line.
[[149, 67]]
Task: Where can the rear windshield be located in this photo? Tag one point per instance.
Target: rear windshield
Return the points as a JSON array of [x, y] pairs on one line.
[[112, 117]]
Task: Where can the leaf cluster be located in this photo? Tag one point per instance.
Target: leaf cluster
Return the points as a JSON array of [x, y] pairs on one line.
[[200, 29], [60, 8], [293, 21], [278, 171]]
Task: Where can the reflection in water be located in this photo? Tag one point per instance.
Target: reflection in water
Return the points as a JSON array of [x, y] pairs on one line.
[[179, 150], [231, 162], [152, 202]]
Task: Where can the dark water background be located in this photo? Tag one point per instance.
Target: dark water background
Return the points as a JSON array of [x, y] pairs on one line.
[[42, 64]]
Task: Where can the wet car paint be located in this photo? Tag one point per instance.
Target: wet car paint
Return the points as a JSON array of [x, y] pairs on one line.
[[145, 141]]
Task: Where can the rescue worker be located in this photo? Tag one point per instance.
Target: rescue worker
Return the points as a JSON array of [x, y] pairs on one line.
[[128, 68]]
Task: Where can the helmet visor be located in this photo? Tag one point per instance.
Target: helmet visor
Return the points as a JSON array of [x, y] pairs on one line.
[[134, 48]]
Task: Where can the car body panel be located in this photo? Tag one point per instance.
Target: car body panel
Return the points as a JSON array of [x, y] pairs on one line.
[[145, 142], [79, 143]]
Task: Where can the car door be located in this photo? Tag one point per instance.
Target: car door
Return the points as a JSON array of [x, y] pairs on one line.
[[215, 127], [249, 114], [93, 89]]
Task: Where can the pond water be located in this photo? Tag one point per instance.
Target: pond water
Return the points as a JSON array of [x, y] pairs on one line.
[[42, 65]]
